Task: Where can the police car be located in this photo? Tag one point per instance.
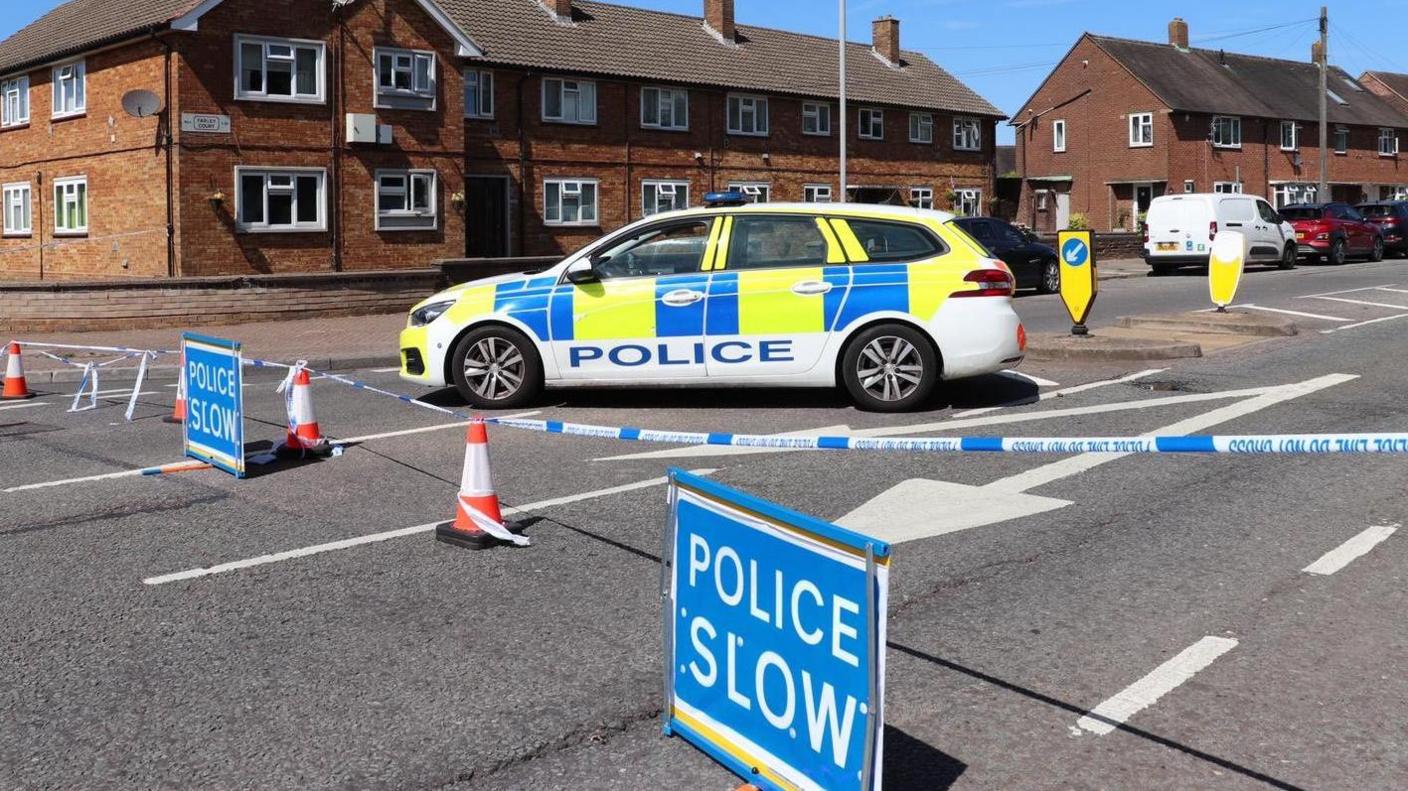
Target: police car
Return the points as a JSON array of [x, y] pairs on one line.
[[883, 300]]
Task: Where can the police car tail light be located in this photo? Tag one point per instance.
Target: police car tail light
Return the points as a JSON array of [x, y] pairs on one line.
[[990, 283]]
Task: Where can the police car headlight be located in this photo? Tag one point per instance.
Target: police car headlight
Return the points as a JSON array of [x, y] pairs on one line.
[[424, 315]]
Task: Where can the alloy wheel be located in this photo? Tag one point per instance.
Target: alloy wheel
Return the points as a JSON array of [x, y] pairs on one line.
[[494, 368], [890, 368]]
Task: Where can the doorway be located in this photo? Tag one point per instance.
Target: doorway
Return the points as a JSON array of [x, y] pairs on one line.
[[486, 217], [1143, 196]]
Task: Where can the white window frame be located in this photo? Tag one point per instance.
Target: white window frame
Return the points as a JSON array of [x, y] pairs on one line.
[[563, 90], [79, 78], [817, 193], [296, 227], [870, 123], [1227, 187], [1058, 135], [407, 189], [819, 113], [964, 196], [757, 191], [663, 97], [673, 187], [1335, 142], [757, 104], [1189, 186], [1289, 193], [1388, 134], [1041, 199], [484, 107], [64, 190], [418, 90], [14, 90], [1141, 130], [1294, 129], [1234, 131], [563, 185], [319, 96], [10, 191], [967, 134], [921, 128], [921, 197]]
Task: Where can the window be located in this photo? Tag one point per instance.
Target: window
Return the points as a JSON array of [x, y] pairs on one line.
[[1188, 186], [921, 197], [764, 242], [967, 134], [1288, 194], [17, 210], [70, 87], [280, 200], [747, 115], [14, 92], [405, 79], [664, 108], [816, 119], [1141, 130], [406, 200], [1041, 200], [1290, 136], [279, 70], [478, 94], [570, 202], [968, 202], [1394, 192], [1267, 213], [1388, 142], [670, 248], [569, 101], [71, 205], [1227, 187], [872, 124], [1341, 139], [921, 127], [816, 193], [1058, 136], [892, 241], [1226, 131], [757, 192], [658, 196]]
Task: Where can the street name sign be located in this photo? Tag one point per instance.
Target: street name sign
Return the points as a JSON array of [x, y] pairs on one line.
[[1079, 279], [774, 636], [214, 428]]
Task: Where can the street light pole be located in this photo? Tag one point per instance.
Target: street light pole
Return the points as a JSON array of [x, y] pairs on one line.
[[841, 77], [1323, 191]]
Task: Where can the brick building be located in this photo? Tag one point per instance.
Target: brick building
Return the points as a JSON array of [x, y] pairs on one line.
[[145, 138], [1119, 122]]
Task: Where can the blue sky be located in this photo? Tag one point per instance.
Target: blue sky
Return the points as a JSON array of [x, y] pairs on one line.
[[1003, 48]]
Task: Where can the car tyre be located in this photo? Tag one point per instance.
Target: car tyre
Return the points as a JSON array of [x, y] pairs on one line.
[[496, 367], [889, 368], [1338, 252], [1050, 277], [1377, 254], [1288, 257]]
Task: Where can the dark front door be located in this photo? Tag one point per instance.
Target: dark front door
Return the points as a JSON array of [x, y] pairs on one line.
[[486, 217]]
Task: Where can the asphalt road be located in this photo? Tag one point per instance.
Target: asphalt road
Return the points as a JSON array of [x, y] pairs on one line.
[[406, 664]]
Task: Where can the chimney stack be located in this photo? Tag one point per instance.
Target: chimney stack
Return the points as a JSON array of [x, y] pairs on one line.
[[1178, 33], [718, 15], [885, 38], [562, 9]]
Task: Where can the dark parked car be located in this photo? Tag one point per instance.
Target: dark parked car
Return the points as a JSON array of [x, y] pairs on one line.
[[1033, 264], [1392, 218], [1333, 231]]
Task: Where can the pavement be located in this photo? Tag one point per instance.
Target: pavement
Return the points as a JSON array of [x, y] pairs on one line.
[[343, 650]]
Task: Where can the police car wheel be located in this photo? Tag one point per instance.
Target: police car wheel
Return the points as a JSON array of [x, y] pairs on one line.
[[889, 368], [496, 368]]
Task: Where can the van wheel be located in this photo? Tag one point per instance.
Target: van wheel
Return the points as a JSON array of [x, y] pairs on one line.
[[496, 368], [1288, 257], [1338, 252], [889, 368]]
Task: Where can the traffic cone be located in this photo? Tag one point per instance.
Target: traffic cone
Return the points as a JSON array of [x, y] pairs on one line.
[[178, 411], [479, 521], [15, 386], [303, 432]]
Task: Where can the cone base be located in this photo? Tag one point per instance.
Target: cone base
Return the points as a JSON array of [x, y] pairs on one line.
[[24, 397], [445, 531], [286, 450], [170, 419]]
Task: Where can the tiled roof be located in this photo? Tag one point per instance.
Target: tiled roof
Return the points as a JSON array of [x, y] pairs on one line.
[[80, 25], [622, 41], [1214, 81], [1398, 83]]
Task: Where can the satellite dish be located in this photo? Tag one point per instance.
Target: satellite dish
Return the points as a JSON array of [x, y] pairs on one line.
[[140, 104]]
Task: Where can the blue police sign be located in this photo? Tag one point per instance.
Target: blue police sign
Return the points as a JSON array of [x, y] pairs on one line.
[[214, 429], [774, 630]]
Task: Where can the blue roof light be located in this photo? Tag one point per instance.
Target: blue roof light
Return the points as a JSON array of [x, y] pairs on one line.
[[714, 200]]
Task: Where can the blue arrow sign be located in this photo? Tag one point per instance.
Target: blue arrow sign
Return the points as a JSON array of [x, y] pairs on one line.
[[1075, 252]]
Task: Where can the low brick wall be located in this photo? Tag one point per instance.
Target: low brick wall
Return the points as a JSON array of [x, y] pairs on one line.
[[189, 302], [1110, 246], [463, 270]]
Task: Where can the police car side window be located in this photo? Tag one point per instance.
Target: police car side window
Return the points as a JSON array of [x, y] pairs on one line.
[[669, 249], [775, 242], [892, 241]]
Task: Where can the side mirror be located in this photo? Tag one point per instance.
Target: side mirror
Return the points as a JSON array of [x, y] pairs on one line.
[[581, 271]]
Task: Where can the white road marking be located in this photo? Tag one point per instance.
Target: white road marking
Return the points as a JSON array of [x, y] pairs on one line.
[[386, 370], [1346, 553], [348, 543], [1294, 313], [24, 405], [729, 450], [1363, 323], [127, 391], [1162, 680], [1365, 303], [1394, 290], [1063, 392], [102, 477], [1036, 380], [1346, 291], [424, 429]]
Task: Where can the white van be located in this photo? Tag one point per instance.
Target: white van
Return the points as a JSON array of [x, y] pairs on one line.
[[1179, 229]]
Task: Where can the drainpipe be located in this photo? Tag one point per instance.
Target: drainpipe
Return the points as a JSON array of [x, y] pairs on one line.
[[523, 190], [339, 105], [39, 204], [166, 143]]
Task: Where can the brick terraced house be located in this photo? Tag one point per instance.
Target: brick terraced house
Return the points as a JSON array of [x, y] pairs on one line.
[[152, 138], [1119, 122]]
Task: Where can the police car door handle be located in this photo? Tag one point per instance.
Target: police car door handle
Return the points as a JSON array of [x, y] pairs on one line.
[[682, 297], [810, 287]]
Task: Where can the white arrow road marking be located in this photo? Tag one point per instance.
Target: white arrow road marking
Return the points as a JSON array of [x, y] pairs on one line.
[[1161, 680], [1063, 392], [1349, 551], [1036, 380]]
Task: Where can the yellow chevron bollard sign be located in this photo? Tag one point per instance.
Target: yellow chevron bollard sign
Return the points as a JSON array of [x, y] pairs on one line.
[[1079, 280], [1225, 266]]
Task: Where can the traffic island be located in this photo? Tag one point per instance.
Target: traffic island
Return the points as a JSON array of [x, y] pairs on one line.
[[1106, 345], [1234, 322], [1163, 336]]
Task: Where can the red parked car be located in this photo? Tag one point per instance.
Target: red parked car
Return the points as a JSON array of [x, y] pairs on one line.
[[1392, 218], [1333, 232]]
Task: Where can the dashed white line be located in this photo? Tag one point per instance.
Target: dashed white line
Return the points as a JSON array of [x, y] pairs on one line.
[[1365, 303], [24, 405], [1349, 551], [386, 370], [424, 429], [173, 466], [1163, 679], [1300, 313]]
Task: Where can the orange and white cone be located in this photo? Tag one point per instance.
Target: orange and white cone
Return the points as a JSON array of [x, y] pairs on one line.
[[479, 521], [303, 431], [178, 411], [15, 386]]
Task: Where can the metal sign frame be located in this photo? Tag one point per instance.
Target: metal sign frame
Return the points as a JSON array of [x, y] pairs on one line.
[[1077, 278], [199, 408], [735, 750]]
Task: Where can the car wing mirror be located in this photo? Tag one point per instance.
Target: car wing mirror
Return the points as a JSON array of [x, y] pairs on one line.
[[581, 271]]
